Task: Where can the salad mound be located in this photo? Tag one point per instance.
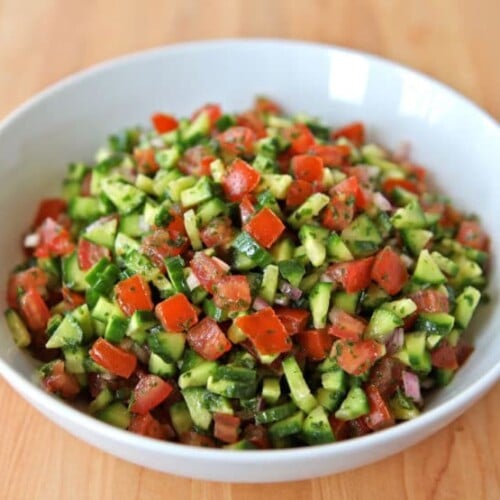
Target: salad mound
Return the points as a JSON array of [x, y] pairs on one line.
[[247, 281]]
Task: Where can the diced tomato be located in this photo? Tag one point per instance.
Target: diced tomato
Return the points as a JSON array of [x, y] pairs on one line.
[[444, 356], [22, 281], [294, 320], [147, 425], [357, 357], [380, 416], [59, 381], [462, 351], [340, 428], [208, 271], [219, 232], [417, 171], [193, 438], [344, 326], [266, 331], [472, 235], [55, 240], [298, 192], [354, 276], [237, 141], [300, 137], [252, 120], [332, 155], [213, 110], [164, 123], [386, 376], [86, 185], [208, 340], [175, 224], [133, 294], [90, 254], [160, 244], [358, 427], [430, 301], [34, 310], [246, 209], [350, 188], [240, 180], [339, 213], [355, 132], [316, 344], [196, 161], [145, 160], [308, 168], [390, 184], [149, 392], [265, 227], [227, 427], [389, 271], [49, 208], [257, 435], [232, 293], [112, 358], [72, 299], [265, 105], [176, 313]]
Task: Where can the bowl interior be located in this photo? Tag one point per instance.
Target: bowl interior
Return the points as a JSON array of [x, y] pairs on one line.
[[457, 142]]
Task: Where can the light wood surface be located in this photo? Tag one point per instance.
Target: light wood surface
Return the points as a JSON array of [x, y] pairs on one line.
[[42, 41]]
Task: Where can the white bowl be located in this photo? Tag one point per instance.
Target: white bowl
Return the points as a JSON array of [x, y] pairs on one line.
[[458, 142]]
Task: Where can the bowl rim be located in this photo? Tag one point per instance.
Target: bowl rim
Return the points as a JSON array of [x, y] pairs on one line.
[[33, 393]]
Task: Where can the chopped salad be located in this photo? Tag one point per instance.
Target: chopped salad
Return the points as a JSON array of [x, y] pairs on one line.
[[247, 281]]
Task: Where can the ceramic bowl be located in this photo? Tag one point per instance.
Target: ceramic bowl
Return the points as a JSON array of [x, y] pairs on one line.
[[459, 143]]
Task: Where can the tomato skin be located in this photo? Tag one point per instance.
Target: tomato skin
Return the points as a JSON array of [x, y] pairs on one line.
[[246, 209], [357, 357], [240, 180], [227, 427], [265, 227], [208, 271], [389, 271], [232, 293], [355, 132], [147, 425], [113, 359], [390, 184], [219, 232], [133, 294], [34, 310], [340, 428], [300, 137], [345, 326], [196, 161], [90, 254], [149, 392], [196, 439], [430, 301], [316, 344], [266, 331], [339, 213], [294, 320], [351, 189], [72, 299], [265, 105], [161, 243], [380, 416], [472, 235], [49, 208], [164, 123], [308, 168], [298, 192], [59, 381], [354, 276], [257, 435], [386, 376], [22, 281], [237, 141], [253, 121], [444, 356], [332, 155], [146, 161], [55, 240], [213, 110], [176, 313], [208, 340]]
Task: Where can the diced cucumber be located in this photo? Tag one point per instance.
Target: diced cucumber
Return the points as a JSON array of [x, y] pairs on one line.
[[232, 388], [180, 417], [362, 236], [312, 238], [409, 217], [194, 398], [435, 323], [84, 208], [198, 375], [466, 304], [102, 232], [300, 392], [247, 246], [192, 229], [418, 356], [443, 376], [292, 271], [446, 265], [382, 323], [217, 170], [68, 333], [178, 185], [158, 366], [277, 184], [200, 126], [168, 158], [18, 329], [169, 345], [105, 309], [139, 323], [216, 403], [354, 405], [115, 414], [288, 426], [84, 319], [124, 196], [124, 243], [196, 194], [334, 380], [427, 271], [282, 250], [337, 249], [269, 283], [309, 209], [401, 307], [275, 413], [271, 390], [175, 270], [210, 209], [319, 303], [348, 302], [416, 239], [74, 359], [374, 297], [402, 407], [116, 328], [316, 428], [72, 276], [103, 399]]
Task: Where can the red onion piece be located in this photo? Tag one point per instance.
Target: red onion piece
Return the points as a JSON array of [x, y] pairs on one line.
[[290, 291], [222, 264], [259, 303], [192, 281], [31, 240], [394, 343], [381, 202], [411, 384]]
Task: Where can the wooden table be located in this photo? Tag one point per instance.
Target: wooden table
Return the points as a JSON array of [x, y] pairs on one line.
[[42, 41]]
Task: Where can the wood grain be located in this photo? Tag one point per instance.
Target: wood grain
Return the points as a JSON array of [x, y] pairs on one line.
[[42, 41]]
